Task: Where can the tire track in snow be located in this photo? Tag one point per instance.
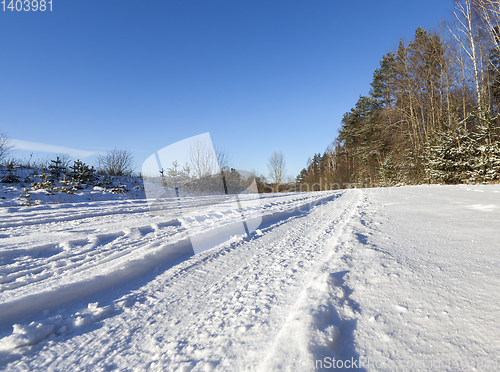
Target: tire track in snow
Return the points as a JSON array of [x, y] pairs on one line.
[[87, 265], [235, 306], [313, 331], [232, 291], [73, 256], [26, 216]]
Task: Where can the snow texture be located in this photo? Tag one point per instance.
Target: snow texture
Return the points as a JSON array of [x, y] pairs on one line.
[[365, 279]]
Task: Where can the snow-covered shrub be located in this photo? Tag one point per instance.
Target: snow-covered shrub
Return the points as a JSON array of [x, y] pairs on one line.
[[464, 155], [11, 176], [82, 173]]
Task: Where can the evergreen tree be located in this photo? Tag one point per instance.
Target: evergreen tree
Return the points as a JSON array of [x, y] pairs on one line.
[[82, 173], [449, 155], [486, 162], [27, 196], [45, 181], [11, 176], [301, 176], [56, 169], [383, 82], [432, 114]]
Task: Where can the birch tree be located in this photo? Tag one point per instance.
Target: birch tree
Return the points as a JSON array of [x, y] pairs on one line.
[[466, 27], [277, 169]]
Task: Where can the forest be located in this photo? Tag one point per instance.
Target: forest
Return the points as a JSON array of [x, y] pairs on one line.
[[432, 114]]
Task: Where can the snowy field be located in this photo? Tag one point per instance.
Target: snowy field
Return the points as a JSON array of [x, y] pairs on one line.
[[372, 280]]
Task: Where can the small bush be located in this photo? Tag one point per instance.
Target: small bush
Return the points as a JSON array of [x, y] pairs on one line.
[[116, 163]]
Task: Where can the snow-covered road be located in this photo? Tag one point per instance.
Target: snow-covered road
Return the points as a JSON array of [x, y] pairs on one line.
[[380, 279]]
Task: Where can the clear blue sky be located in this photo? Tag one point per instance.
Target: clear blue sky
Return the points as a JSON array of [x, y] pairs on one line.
[[259, 75]]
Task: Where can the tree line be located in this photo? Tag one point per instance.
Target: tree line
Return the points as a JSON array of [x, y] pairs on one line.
[[431, 115]]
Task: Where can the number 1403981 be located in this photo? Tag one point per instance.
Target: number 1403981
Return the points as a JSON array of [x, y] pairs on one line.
[[26, 5]]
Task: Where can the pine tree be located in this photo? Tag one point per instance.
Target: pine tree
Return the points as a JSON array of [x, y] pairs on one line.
[[56, 169], [301, 176], [27, 196], [486, 161], [11, 176], [390, 173], [383, 82], [82, 173], [67, 185], [45, 181], [450, 156]]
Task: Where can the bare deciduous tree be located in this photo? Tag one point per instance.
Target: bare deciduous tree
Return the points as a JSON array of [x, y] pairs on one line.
[[116, 163], [223, 158], [5, 146], [489, 11], [467, 27], [202, 159], [205, 160], [277, 168]]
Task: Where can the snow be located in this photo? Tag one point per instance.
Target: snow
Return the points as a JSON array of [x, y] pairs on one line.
[[10, 193], [367, 279], [437, 260]]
